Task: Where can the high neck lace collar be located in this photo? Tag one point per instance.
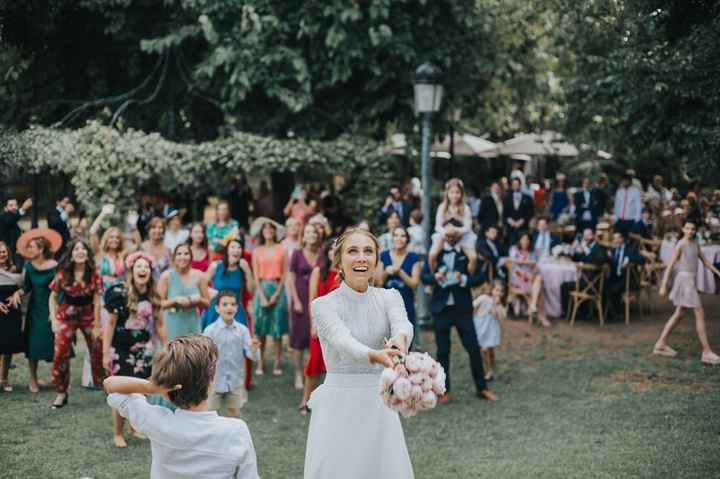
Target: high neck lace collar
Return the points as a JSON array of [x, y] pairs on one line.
[[353, 295]]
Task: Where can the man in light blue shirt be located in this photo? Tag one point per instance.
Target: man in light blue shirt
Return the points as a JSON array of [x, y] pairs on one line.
[[234, 343], [628, 206]]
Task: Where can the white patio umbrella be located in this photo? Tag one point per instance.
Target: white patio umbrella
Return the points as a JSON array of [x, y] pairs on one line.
[[545, 144], [464, 145]]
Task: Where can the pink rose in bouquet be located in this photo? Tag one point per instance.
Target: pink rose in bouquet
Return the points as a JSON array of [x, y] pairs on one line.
[[413, 384]]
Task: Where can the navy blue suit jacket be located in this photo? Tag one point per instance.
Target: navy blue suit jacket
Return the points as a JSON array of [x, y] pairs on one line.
[[461, 294]]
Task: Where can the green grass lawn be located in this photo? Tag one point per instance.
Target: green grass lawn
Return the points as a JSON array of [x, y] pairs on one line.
[[582, 402]]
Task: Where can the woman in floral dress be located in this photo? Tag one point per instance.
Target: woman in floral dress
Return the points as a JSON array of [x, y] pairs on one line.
[[127, 337]]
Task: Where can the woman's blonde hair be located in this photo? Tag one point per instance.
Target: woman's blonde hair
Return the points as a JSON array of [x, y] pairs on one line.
[[106, 237], [453, 182], [133, 295], [340, 243]]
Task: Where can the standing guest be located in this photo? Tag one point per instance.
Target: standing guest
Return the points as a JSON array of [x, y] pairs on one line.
[[386, 239], [296, 206], [517, 212], [9, 228], [191, 442], [240, 199], [451, 305], [148, 211], [628, 206], [543, 241], [491, 208], [323, 279], [657, 195], [602, 196], [394, 203], [58, 218], [473, 203], [517, 172], [417, 234], [155, 246], [175, 233], [400, 269], [182, 291], [37, 246], [11, 337], [489, 312], [302, 263], [491, 249], [584, 206], [644, 228], [453, 220], [539, 195], [269, 263], [684, 294], [621, 254], [235, 348], [232, 273], [560, 197], [291, 241], [75, 305], [527, 278], [199, 248], [220, 228], [127, 335], [264, 202], [353, 324]]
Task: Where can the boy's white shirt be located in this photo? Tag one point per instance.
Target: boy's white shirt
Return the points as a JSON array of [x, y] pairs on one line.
[[233, 343], [190, 444]]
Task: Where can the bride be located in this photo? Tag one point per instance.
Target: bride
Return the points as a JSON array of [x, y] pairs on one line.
[[352, 434]]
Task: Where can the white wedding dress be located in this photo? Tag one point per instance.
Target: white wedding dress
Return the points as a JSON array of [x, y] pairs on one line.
[[352, 434]]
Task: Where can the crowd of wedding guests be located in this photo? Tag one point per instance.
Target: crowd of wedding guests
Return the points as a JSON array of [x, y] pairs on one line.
[[131, 285]]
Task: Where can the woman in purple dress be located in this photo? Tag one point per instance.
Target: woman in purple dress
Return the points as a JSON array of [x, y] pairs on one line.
[[302, 262]]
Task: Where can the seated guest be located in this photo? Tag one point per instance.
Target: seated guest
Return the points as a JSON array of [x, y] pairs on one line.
[[644, 226], [490, 249], [588, 251], [621, 254], [543, 241], [527, 278]]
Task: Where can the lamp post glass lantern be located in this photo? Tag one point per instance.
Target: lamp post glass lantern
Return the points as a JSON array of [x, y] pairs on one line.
[[428, 99]]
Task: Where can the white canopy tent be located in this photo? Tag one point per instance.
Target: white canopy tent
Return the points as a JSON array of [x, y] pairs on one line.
[[464, 145]]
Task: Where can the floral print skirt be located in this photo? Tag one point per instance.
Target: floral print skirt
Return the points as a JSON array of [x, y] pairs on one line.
[[132, 352]]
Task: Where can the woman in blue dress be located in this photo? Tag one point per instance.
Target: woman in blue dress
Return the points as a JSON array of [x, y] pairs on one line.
[[560, 198], [231, 273], [400, 269]]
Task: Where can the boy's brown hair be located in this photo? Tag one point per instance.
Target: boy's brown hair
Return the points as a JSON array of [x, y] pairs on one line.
[[189, 361]]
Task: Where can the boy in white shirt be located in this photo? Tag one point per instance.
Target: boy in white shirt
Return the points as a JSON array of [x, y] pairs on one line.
[[191, 442], [234, 343]]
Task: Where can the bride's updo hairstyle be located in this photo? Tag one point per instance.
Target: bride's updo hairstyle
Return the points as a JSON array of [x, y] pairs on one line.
[[340, 243]]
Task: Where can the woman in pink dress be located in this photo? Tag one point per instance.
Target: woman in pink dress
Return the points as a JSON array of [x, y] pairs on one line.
[[684, 294]]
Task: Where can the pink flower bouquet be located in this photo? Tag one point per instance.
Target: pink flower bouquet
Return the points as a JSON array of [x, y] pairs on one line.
[[413, 385]]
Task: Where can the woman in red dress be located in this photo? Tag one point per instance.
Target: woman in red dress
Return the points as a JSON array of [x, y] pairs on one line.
[[75, 304], [323, 279]]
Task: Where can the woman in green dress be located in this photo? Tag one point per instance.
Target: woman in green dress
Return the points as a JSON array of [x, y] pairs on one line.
[[182, 291], [38, 247]]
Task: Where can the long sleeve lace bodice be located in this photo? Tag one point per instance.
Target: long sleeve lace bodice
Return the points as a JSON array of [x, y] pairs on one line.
[[350, 324]]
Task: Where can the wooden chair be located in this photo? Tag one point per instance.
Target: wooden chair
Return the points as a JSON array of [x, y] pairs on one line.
[[588, 287], [515, 292], [633, 288], [652, 272]]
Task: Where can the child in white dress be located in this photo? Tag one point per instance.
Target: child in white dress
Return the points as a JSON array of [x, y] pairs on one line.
[[488, 312], [453, 218]]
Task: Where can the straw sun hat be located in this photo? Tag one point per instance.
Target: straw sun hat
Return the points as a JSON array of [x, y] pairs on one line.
[[51, 236], [257, 226]]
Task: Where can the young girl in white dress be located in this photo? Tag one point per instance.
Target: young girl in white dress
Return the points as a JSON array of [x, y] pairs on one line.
[[454, 209], [684, 294], [488, 312], [352, 433]]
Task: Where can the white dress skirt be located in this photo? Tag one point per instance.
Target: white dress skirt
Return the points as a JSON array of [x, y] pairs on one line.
[[352, 434]]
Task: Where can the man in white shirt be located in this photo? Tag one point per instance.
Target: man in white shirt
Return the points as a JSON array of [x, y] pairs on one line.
[[543, 241], [191, 442], [628, 206]]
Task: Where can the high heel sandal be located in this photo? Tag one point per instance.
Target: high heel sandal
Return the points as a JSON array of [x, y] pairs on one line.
[[64, 403]]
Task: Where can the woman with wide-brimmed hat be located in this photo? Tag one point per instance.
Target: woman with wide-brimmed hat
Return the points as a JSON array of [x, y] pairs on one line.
[[38, 247], [270, 266]]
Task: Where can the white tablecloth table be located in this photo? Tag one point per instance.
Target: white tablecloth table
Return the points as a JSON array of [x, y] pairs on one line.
[[554, 273], [705, 278]]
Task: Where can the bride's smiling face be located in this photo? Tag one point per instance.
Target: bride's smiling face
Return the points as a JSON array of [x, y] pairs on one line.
[[359, 257]]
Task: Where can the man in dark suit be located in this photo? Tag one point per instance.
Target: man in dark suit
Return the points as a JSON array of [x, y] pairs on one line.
[[394, 202], [491, 208], [58, 218], [9, 229], [490, 249], [644, 226], [622, 254], [585, 205], [588, 251], [543, 241], [517, 212], [451, 305], [602, 196]]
